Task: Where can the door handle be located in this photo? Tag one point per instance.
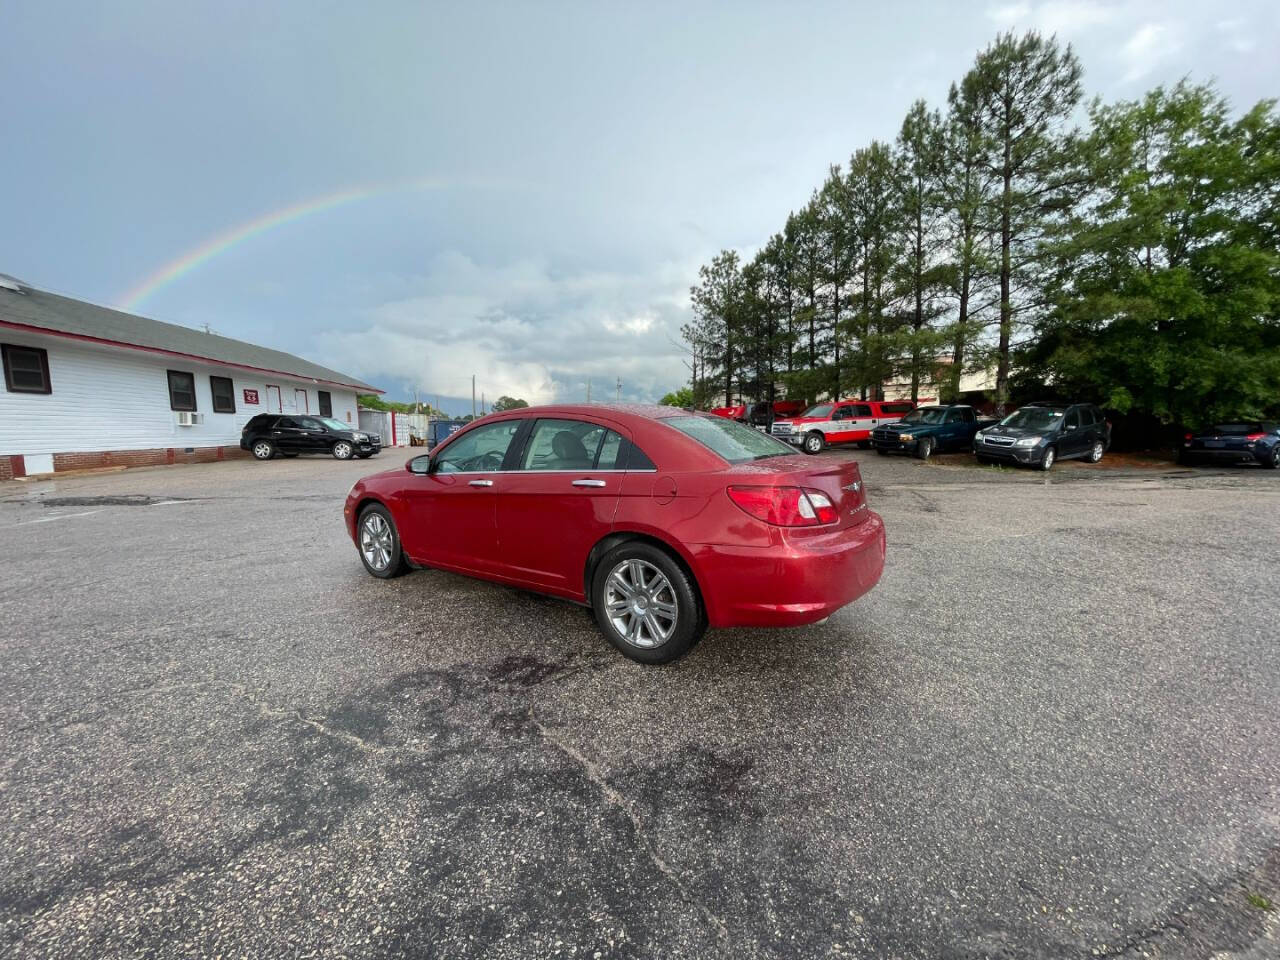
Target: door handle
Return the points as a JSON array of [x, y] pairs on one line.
[[588, 483], [482, 483]]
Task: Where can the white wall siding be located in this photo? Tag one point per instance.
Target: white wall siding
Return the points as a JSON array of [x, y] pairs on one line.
[[113, 398]]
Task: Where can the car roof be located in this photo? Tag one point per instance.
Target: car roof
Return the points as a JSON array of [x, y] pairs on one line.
[[648, 411]]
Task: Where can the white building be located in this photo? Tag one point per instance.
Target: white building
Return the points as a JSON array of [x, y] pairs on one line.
[[87, 386]]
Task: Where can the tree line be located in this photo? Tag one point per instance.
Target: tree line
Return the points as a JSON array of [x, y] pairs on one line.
[[1132, 260]]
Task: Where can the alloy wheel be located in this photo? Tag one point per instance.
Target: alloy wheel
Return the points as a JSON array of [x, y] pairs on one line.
[[1047, 462], [813, 443], [376, 541], [342, 450], [641, 603], [262, 450], [1095, 455]]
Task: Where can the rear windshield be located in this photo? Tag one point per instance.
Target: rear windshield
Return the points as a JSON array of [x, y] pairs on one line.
[[1242, 429], [731, 440]]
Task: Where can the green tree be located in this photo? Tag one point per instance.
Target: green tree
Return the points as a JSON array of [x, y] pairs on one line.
[[717, 308], [920, 273], [678, 398], [1024, 90], [1167, 296], [507, 403], [874, 223]]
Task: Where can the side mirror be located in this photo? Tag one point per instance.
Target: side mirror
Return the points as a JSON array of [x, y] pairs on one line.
[[1071, 426], [419, 465]]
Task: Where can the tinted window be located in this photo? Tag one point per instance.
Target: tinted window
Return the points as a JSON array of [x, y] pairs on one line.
[[306, 423], [732, 441], [1086, 416], [1034, 418], [843, 413], [224, 396], [562, 445], [182, 390], [286, 423], [967, 415], [479, 450], [26, 369], [898, 407], [953, 416], [1073, 418], [637, 459], [862, 410]]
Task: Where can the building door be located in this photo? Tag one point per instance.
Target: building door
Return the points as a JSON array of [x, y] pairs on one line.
[[300, 402], [273, 400]]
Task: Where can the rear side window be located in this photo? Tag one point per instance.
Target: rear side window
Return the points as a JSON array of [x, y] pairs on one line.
[[612, 449], [1086, 416], [637, 459], [729, 439], [862, 411]]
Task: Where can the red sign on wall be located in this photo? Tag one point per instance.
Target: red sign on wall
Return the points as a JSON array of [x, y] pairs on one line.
[[251, 396]]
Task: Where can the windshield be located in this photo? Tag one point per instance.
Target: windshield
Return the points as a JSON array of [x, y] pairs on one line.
[[731, 440], [1033, 418], [925, 415], [333, 424], [818, 410]]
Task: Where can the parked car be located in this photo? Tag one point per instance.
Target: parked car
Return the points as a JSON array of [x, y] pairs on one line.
[[735, 412], [845, 421], [660, 520], [269, 434], [929, 430], [1040, 434], [763, 414], [440, 430], [1247, 441]]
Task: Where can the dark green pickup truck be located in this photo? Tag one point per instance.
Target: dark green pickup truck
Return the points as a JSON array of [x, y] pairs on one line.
[[929, 430]]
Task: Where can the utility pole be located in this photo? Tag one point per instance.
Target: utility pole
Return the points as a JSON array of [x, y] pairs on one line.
[[473, 396], [588, 389], [619, 393], [482, 403]]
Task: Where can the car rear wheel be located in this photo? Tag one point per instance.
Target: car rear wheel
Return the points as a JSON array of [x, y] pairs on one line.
[[646, 604], [1046, 462], [924, 448], [263, 449], [342, 450], [379, 544], [1096, 451], [814, 441]]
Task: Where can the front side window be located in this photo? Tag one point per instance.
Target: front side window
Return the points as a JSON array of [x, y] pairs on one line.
[[182, 390], [26, 369], [334, 424], [326, 403], [480, 450], [224, 395], [562, 445], [729, 439], [307, 423]]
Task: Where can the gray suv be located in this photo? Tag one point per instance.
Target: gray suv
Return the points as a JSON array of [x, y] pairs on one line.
[[1040, 434]]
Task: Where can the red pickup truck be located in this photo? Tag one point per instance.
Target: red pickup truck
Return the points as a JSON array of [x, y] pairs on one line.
[[845, 421], [757, 414]]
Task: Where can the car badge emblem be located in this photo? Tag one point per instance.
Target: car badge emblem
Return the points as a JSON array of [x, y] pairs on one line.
[[854, 487]]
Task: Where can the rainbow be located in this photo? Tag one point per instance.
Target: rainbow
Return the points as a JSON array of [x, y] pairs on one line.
[[219, 244]]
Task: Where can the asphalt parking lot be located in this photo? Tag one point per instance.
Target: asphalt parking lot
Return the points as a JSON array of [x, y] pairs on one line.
[[1052, 731]]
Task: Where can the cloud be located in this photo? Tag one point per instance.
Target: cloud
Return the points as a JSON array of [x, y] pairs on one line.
[[525, 329], [1063, 17], [1235, 34], [1151, 44]]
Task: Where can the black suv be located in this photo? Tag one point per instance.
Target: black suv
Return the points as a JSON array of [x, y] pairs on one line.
[[1040, 434], [269, 434]]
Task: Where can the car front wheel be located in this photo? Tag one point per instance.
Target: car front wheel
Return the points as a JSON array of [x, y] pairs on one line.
[[342, 450], [264, 449], [646, 604], [1046, 462], [924, 449], [379, 544], [1096, 451], [814, 442], [1273, 462]]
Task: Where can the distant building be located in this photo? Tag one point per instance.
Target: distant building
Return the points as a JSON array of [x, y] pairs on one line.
[[87, 386]]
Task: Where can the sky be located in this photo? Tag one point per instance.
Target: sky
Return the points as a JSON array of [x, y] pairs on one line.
[[414, 193]]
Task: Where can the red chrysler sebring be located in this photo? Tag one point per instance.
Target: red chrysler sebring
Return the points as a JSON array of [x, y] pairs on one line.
[[662, 521]]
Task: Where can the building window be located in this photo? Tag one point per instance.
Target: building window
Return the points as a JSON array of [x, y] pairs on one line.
[[224, 394], [326, 403], [26, 369], [182, 390]]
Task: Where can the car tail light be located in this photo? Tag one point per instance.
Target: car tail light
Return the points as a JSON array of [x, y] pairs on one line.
[[1186, 439], [1255, 437], [785, 506]]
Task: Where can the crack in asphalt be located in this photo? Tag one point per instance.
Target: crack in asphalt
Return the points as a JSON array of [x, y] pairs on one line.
[[615, 798]]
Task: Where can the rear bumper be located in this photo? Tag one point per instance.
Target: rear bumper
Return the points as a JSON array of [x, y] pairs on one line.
[[1206, 455], [802, 580]]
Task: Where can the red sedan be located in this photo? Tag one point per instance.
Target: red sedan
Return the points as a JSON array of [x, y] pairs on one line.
[[662, 521]]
